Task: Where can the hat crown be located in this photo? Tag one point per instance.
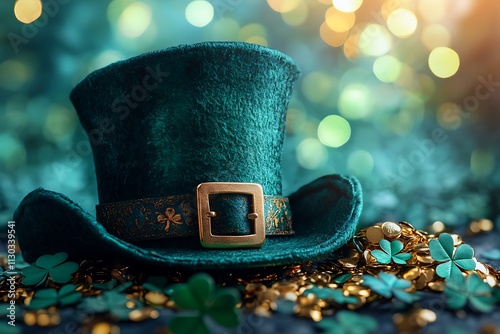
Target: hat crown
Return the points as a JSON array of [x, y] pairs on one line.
[[163, 122]]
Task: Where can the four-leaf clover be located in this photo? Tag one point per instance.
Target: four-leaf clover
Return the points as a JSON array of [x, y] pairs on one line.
[[348, 323], [391, 251], [52, 266], [66, 295], [199, 295], [442, 251], [473, 289], [388, 285]]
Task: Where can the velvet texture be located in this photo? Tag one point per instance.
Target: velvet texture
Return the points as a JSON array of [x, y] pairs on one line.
[[163, 122]]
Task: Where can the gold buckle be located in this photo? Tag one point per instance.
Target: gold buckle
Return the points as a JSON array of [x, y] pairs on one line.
[[207, 239]]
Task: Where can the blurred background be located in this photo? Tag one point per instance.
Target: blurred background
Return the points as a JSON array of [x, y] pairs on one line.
[[403, 94]]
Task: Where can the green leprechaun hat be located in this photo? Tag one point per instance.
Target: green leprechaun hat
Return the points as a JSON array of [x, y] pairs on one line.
[[187, 145]]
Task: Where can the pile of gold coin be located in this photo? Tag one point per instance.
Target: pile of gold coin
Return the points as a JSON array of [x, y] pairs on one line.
[[288, 289]]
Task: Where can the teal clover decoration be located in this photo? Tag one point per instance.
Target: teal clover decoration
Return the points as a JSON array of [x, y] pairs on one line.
[[391, 251], [348, 323], [329, 294], [198, 299], [388, 285], [53, 266], [453, 260], [472, 290], [159, 284], [66, 295], [110, 302]]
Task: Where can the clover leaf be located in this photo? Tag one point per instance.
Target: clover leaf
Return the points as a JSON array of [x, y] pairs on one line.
[[158, 283], [391, 251], [66, 295], [112, 286], [348, 323], [336, 295], [473, 289], [199, 295], [388, 285], [52, 266], [342, 278], [112, 302], [492, 254], [442, 251]]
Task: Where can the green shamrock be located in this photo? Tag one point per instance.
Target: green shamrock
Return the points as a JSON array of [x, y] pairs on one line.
[[492, 254], [473, 289], [391, 251], [348, 323], [388, 285], [158, 283], [66, 295], [336, 295], [112, 302], [52, 266], [199, 295], [342, 278], [442, 251], [112, 286]]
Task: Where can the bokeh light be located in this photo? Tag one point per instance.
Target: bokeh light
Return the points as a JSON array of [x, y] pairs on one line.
[[27, 11], [435, 35], [339, 21], [199, 13], [283, 6], [318, 86], [375, 40], [60, 124], [347, 6], [433, 10], [387, 68], [334, 131], [296, 16], [355, 101], [402, 22], [331, 37], [13, 74], [13, 153], [360, 163], [482, 162], [135, 19], [253, 33], [444, 62], [448, 116], [311, 154]]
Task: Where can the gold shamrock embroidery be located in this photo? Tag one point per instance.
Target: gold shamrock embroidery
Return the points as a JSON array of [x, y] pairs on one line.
[[169, 217]]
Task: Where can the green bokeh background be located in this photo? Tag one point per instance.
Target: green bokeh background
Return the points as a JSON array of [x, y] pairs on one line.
[[417, 160]]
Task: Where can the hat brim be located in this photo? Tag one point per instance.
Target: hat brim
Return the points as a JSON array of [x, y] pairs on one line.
[[324, 212]]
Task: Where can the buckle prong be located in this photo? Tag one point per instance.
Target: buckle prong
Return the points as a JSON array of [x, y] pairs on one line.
[[209, 240]]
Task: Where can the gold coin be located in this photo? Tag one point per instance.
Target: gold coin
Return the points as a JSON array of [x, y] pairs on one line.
[[425, 259], [411, 272], [357, 290], [284, 287], [391, 229], [30, 319], [350, 260], [155, 298], [457, 240], [374, 234], [491, 280], [436, 286], [421, 248], [105, 328], [426, 315]]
